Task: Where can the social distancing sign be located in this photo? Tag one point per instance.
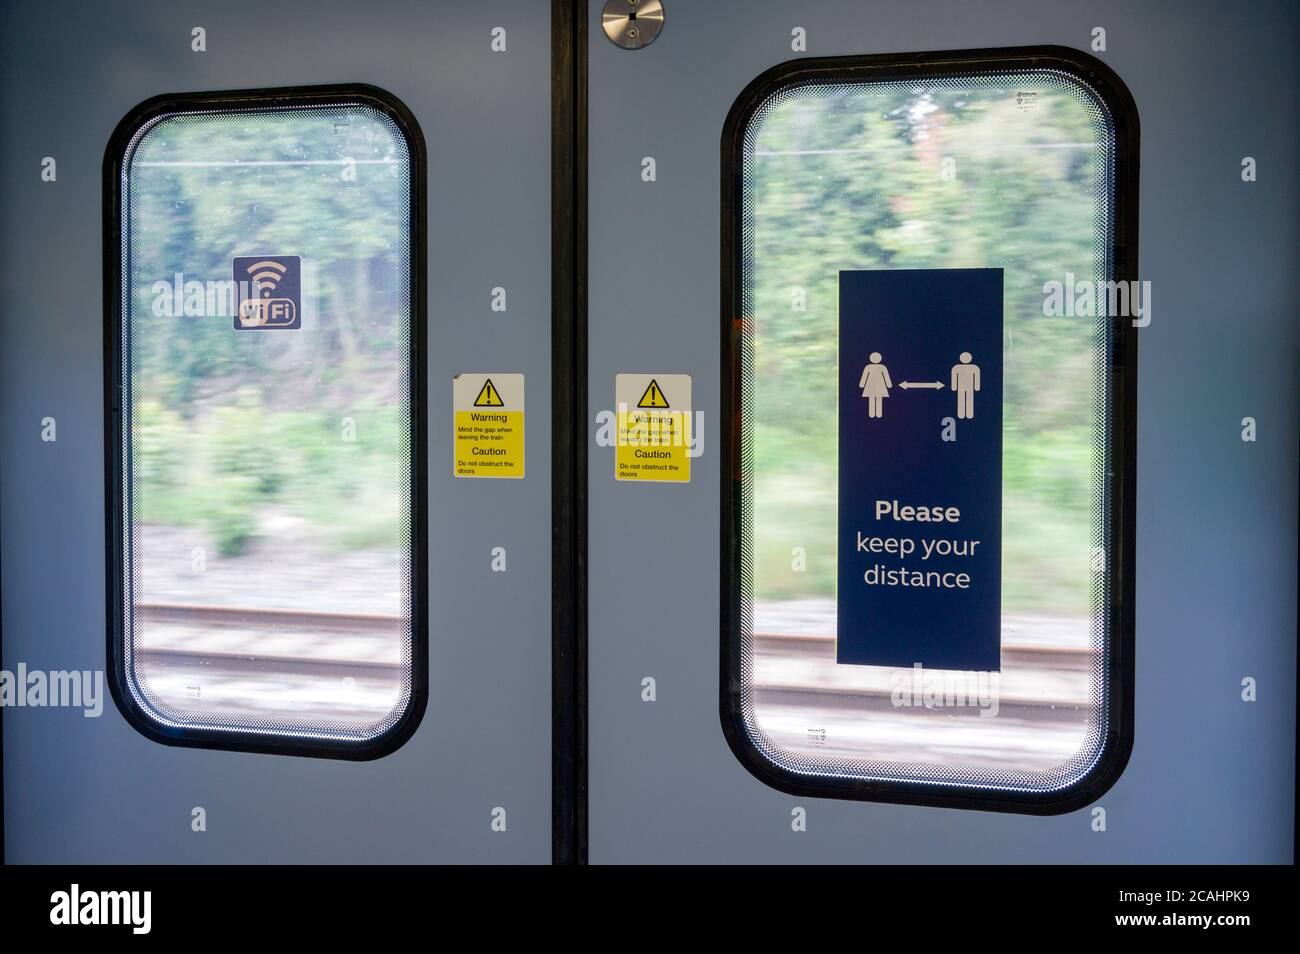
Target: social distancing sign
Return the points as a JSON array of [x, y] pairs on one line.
[[654, 421], [488, 412], [920, 469]]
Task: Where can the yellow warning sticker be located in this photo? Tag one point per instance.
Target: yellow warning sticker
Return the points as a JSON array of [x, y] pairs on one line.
[[654, 427], [488, 414]]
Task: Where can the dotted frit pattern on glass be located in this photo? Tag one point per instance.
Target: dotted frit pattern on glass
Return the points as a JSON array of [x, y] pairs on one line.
[[286, 143], [801, 117]]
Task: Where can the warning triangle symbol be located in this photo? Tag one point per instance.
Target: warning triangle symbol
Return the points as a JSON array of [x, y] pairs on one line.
[[488, 396], [653, 396]]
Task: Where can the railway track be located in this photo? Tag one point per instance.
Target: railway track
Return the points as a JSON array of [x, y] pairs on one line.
[[283, 663], [312, 622], [286, 619], [789, 668]]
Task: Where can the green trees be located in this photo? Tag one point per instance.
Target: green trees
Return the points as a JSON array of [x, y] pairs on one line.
[[959, 174], [229, 426]]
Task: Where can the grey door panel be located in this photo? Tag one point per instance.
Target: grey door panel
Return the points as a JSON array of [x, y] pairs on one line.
[[110, 794], [1211, 776]]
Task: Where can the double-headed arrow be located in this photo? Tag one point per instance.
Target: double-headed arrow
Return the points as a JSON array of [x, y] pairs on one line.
[[933, 385]]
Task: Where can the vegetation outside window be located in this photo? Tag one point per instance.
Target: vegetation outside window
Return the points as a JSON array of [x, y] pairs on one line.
[[1019, 160], [266, 448]]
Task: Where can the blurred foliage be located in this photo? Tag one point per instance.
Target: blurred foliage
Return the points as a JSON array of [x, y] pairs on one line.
[[242, 433], [234, 430], [223, 470], [952, 176]]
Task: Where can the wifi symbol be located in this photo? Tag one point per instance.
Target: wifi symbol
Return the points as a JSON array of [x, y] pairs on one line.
[[266, 276]]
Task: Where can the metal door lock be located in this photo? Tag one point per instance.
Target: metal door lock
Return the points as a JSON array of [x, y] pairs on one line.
[[632, 24]]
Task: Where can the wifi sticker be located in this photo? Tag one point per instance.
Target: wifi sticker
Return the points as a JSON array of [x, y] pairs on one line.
[[270, 292]]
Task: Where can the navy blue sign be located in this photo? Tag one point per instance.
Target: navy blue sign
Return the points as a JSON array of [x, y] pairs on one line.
[[269, 292], [920, 468]]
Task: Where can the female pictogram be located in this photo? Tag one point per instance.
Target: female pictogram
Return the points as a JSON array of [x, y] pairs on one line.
[[875, 385]]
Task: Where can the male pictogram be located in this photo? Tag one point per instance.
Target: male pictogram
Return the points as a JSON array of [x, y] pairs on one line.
[[965, 381]]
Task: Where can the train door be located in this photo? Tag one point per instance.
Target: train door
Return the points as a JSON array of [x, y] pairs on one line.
[[284, 338], [933, 514]]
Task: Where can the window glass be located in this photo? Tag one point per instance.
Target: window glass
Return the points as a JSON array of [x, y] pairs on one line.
[[268, 450], [1013, 171]]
